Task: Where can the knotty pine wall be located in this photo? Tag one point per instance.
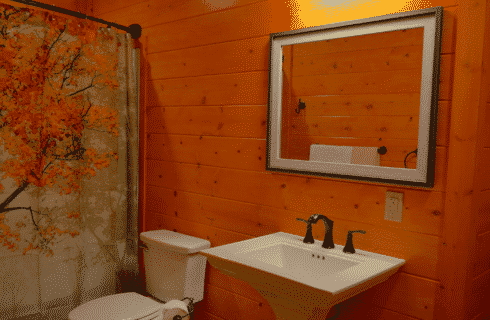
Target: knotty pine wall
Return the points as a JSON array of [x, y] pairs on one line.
[[204, 114], [373, 87], [479, 293]]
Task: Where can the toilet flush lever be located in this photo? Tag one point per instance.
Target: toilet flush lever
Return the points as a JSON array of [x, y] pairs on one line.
[[143, 246]]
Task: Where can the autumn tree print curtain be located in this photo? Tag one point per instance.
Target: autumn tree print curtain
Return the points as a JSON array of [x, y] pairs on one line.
[[68, 163]]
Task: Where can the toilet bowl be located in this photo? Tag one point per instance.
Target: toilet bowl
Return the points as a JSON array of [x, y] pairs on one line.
[[174, 270]]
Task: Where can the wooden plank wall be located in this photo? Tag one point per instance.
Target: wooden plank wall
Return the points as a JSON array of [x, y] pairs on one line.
[[204, 118], [358, 91], [480, 281]]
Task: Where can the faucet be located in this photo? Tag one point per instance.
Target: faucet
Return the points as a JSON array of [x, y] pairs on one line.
[[349, 246], [328, 240]]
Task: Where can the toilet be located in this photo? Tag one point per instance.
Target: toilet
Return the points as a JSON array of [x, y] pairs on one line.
[[174, 270]]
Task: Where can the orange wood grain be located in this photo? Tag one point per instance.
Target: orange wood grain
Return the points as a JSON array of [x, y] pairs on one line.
[[482, 211], [392, 127], [392, 295], [376, 82], [482, 254], [246, 201], [228, 57], [102, 8], [485, 133], [424, 216], [153, 12], [277, 190], [226, 25], [384, 59], [236, 88], [409, 37], [358, 105], [230, 121], [228, 152], [482, 181], [448, 44], [459, 238], [479, 293]]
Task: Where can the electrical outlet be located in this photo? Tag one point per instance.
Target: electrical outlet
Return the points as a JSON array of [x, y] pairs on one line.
[[394, 206]]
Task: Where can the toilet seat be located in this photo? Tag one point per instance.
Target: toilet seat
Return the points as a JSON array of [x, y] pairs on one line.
[[122, 306]]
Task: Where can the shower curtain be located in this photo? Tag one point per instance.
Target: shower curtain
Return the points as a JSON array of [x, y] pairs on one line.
[[68, 163]]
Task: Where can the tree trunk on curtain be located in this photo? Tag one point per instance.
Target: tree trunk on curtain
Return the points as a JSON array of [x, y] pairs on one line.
[[103, 259]]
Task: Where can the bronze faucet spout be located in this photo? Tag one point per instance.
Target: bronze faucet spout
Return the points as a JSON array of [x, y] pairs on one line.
[[328, 240]]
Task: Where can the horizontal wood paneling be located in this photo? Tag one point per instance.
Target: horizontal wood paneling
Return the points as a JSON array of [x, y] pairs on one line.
[[392, 295], [277, 190], [358, 105], [482, 254], [238, 88], [208, 69], [250, 88], [482, 181], [238, 153], [391, 58], [150, 13], [258, 219], [227, 25], [229, 121], [479, 293], [102, 8], [383, 236], [456, 264], [247, 154], [486, 130], [438, 186], [228, 57], [391, 127], [410, 37], [482, 200]]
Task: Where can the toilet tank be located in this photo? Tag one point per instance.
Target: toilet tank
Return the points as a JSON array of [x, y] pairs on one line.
[[174, 269]]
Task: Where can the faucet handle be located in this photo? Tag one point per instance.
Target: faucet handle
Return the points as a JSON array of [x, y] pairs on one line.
[[349, 246], [309, 234]]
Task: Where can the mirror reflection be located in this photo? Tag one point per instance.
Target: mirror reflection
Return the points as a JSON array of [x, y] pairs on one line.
[[353, 99]]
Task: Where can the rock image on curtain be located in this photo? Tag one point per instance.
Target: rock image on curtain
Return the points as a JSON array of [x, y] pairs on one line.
[[68, 163]]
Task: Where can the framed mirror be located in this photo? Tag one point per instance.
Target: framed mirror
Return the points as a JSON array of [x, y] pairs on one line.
[[357, 99]]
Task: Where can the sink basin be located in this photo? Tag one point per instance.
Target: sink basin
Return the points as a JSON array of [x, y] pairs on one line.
[[299, 280]]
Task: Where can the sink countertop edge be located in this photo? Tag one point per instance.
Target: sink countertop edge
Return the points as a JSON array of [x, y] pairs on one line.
[[378, 261]]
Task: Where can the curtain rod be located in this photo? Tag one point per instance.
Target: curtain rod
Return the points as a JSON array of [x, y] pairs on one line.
[[134, 29]]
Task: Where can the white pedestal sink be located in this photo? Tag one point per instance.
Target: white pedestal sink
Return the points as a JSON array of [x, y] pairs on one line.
[[301, 281]]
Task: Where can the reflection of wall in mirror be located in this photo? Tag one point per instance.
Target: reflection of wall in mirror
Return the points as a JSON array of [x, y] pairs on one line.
[[359, 91]]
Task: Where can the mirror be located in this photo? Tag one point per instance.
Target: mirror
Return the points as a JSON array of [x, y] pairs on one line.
[[357, 99]]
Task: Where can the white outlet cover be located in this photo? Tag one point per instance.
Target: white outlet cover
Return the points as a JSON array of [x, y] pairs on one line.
[[394, 206]]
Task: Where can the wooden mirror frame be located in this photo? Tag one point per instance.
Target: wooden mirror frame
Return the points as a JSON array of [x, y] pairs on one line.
[[423, 176]]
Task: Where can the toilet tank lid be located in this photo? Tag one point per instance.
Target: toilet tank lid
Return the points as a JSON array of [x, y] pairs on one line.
[[169, 240]]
